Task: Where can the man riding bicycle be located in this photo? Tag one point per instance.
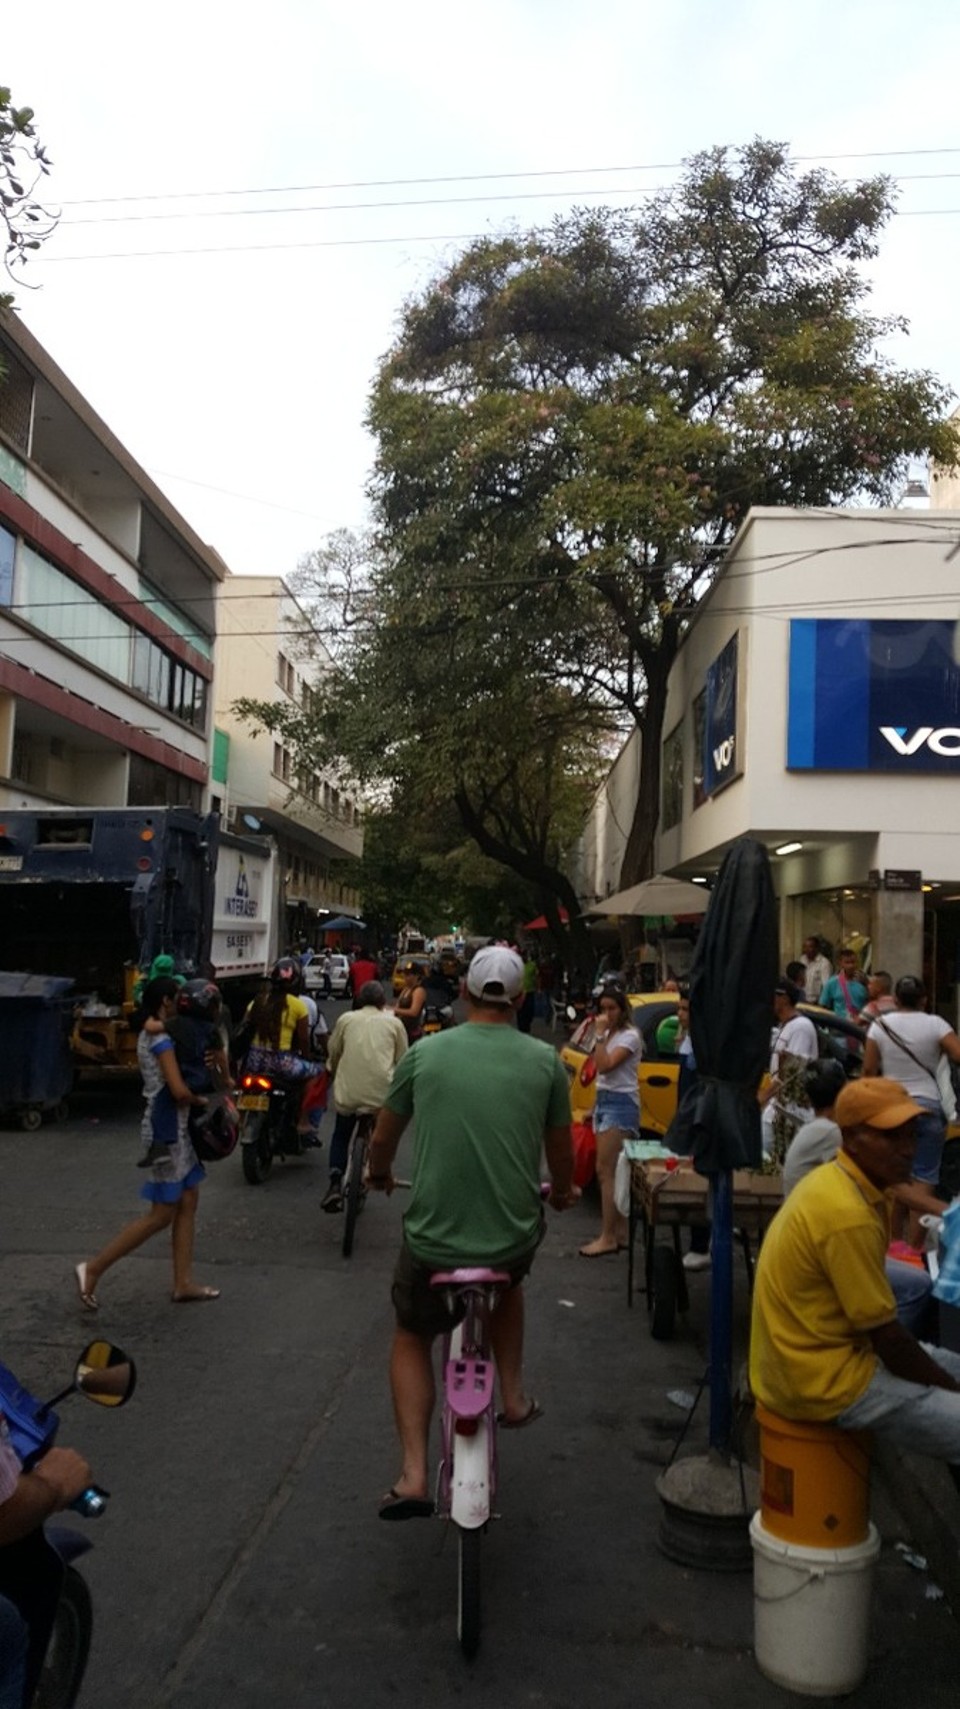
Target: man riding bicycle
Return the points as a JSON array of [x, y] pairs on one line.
[[365, 1046], [486, 1099]]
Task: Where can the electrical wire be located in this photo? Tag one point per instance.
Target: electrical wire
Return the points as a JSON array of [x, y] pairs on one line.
[[472, 178], [414, 202], [45, 259]]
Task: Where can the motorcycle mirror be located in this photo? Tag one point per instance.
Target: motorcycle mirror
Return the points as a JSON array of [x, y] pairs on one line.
[[105, 1374]]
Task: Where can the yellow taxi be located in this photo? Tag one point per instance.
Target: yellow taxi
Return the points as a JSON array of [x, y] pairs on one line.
[[658, 1074]]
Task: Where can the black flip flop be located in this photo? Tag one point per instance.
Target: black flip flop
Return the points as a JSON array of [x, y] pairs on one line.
[[396, 1506], [533, 1412]]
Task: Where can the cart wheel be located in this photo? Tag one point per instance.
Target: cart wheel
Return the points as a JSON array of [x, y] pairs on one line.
[[31, 1119], [663, 1293]]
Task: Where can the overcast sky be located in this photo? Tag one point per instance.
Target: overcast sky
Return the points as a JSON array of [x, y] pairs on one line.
[[239, 379]]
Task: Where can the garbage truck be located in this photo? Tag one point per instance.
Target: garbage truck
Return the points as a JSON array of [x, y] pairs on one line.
[[96, 894]]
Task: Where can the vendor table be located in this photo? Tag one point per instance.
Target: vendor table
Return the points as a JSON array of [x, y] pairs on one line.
[[661, 1197]]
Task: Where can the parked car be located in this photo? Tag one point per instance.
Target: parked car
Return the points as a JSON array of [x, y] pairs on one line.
[[659, 1070], [338, 969]]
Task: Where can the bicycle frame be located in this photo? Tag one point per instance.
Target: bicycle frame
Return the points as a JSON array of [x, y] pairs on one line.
[[467, 1478]]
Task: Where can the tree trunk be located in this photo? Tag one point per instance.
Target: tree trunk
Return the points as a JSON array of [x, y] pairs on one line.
[[574, 944], [638, 855], [637, 861]]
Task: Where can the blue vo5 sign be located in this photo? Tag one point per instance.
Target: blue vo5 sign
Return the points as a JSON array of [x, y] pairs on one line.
[[873, 696]]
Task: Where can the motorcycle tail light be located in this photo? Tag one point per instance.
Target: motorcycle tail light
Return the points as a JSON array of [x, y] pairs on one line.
[[466, 1426]]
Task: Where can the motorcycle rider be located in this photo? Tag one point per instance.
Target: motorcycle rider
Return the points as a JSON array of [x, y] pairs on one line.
[[440, 993], [30, 1571], [279, 1021]]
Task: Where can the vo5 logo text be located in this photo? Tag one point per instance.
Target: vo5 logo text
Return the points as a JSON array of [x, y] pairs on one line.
[[944, 742]]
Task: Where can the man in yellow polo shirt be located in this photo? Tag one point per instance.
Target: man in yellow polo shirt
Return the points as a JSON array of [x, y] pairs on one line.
[[825, 1342]]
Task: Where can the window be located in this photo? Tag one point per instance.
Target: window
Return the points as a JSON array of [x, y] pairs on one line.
[[286, 675], [699, 738], [672, 783], [62, 608], [152, 785], [8, 547], [277, 760]]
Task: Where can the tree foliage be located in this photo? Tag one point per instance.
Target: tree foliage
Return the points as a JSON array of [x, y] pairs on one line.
[[572, 423], [570, 427], [23, 162], [460, 734]]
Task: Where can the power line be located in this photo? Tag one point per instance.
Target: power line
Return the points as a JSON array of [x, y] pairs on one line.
[[415, 202], [470, 178], [351, 242]]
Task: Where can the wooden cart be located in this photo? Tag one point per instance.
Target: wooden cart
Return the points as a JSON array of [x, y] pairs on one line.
[[673, 1199]]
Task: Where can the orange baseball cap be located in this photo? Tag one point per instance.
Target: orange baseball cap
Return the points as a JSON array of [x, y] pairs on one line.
[[874, 1102]]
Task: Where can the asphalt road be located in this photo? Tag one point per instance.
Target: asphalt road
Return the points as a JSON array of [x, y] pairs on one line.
[[242, 1562]]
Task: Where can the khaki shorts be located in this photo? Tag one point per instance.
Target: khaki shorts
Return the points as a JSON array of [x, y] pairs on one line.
[[423, 1309]]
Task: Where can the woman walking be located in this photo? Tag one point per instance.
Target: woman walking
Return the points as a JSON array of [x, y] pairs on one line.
[[172, 1190], [906, 1044], [616, 1115]]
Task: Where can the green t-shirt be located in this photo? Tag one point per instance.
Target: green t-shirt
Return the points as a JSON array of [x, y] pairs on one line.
[[482, 1096]]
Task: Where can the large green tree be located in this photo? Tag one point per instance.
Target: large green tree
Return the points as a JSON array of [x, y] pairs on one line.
[[572, 423]]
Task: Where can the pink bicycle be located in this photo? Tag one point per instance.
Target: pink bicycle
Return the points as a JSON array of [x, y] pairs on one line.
[[467, 1477]]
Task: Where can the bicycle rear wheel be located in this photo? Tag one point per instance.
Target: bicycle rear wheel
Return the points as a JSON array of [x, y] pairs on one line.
[[468, 1591], [353, 1182]]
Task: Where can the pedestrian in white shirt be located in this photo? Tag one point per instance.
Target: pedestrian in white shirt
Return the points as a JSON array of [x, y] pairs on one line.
[[818, 969], [793, 1043]]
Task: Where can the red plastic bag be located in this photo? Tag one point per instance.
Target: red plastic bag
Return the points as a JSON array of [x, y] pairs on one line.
[[315, 1096], [584, 1153]]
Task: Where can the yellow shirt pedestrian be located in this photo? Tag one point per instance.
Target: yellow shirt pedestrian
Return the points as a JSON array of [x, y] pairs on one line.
[[820, 1289]]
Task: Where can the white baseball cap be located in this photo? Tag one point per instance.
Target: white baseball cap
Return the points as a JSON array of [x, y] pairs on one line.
[[495, 974]]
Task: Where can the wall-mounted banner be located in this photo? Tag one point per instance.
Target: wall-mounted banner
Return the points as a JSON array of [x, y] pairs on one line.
[[721, 756], [873, 696]]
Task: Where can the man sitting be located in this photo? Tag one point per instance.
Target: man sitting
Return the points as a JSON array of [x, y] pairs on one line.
[[817, 1142], [826, 1345]]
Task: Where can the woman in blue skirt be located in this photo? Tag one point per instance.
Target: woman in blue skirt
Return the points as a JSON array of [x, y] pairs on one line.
[[172, 1188]]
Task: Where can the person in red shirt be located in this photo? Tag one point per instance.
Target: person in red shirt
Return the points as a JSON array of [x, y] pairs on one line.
[[362, 971]]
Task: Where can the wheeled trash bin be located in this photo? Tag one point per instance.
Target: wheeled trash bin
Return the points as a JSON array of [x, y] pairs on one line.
[[36, 1070]]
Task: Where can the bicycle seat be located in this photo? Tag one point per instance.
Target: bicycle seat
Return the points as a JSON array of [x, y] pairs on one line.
[[463, 1278]]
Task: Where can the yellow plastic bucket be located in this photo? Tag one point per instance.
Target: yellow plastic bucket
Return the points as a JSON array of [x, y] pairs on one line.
[[814, 1482]]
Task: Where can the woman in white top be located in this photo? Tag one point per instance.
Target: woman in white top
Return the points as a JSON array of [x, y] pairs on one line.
[[907, 1045], [616, 1052]]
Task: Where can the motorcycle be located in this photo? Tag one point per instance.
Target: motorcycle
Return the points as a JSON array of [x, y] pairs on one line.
[[268, 1107], [37, 1573], [437, 1018]]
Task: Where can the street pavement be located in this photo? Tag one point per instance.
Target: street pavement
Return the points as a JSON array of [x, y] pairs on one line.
[[242, 1561]]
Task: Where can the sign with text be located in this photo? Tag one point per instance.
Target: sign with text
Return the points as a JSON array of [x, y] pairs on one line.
[[721, 757], [870, 695]]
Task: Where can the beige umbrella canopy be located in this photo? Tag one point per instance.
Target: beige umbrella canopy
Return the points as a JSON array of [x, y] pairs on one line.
[[656, 896]]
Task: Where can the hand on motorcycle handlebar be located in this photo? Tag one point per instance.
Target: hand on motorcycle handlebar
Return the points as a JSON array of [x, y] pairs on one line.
[[67, 1473]]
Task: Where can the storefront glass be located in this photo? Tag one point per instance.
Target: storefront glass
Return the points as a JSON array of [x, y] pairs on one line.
[[839, 918]]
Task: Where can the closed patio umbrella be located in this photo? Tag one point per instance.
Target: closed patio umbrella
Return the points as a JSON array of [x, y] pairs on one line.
[[731, 1008], [706, 1502]]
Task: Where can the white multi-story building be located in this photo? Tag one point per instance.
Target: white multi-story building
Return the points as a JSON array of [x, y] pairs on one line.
[[815, 706], [106, 607], [315, 818]]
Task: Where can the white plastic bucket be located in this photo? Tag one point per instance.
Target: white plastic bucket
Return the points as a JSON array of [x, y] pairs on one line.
[[811, 1612]]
